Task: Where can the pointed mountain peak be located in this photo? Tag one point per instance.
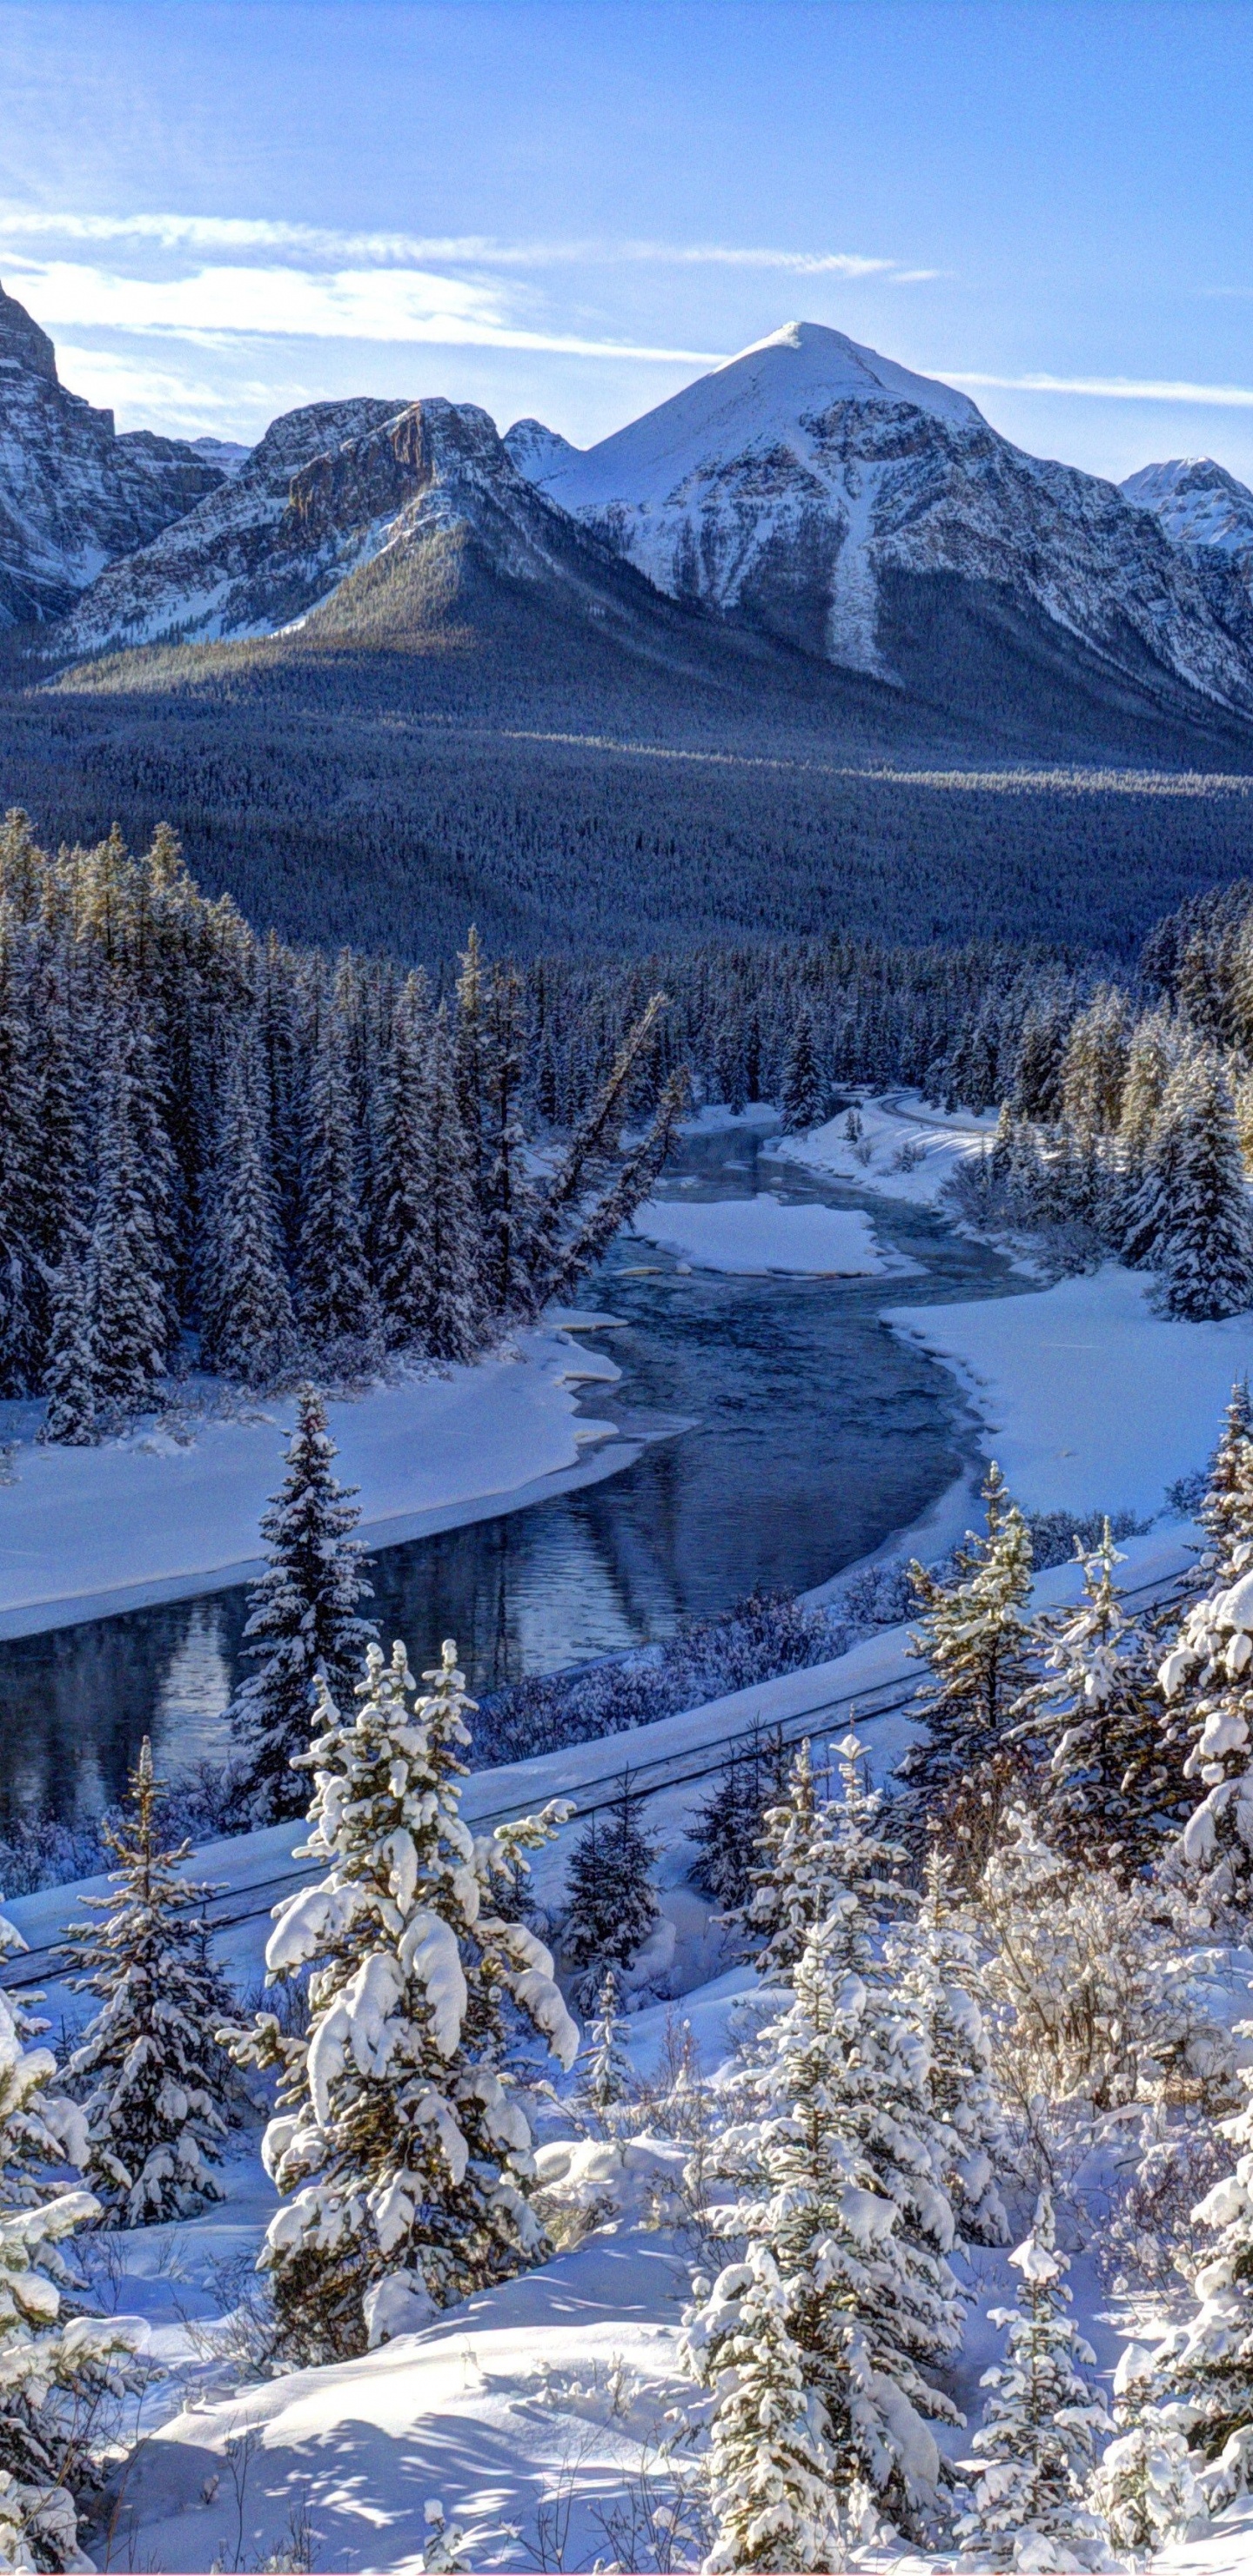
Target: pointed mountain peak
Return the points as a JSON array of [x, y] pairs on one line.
[[22, 343]]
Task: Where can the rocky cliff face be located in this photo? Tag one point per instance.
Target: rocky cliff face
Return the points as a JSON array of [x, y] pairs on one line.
[[331, 493], [808, 484], [245, 560], [73, 495]]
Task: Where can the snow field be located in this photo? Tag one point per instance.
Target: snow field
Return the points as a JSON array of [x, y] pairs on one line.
[[748, 1236], [1088, 1398], [147, 1518]]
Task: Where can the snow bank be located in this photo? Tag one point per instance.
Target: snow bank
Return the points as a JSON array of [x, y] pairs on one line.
[[910, 1149], [144, 1519], [748, 1236], [1089, 1400]]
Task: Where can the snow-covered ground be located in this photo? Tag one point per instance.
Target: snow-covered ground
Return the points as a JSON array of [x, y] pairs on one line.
[[749, 1236], [907, 1150], [162, 1514], [1089, 1399]]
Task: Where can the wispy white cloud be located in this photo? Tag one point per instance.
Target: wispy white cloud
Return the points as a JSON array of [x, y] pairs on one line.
[[175, 232], [1164, 389], [384, 304]]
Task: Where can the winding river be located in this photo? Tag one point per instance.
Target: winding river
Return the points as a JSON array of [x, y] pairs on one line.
[[812, 1434]]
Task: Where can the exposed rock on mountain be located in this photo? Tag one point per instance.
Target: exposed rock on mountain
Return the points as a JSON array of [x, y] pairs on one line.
[[832, 497], [73, 495], [1199, 504], [245, 560]]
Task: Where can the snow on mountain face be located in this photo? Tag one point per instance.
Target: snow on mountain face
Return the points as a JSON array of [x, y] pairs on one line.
[[73, 495], [329, 491], [225, 453], [790, 484], [236, 565], [538, 452], [1198, 502]]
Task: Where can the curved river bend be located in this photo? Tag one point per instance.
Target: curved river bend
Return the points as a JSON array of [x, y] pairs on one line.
[[814, 1434]]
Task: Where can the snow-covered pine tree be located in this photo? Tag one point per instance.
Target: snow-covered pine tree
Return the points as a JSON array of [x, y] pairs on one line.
[[1112, 1789], [1095, 1064], [804, 1092], [1207, 1683], [608, 2087], [729, 1827], [400, 2147], [149, 2069], [1146, 2490], [336, 1302], [1226, 1513], [976, 1641], [403, 1250], [1205, 1260], [1036, 2445], [815, 1851], [247, 1321], [769, 2462], [1206, 2363], [70, 1369], [21, 1184], [133, 1321], [611, 1896], [839, 2171], [452, 1303], [509, 1200], [936, 1963], [302, 1624]]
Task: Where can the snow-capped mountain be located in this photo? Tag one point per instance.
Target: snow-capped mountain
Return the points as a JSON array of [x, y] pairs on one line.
[[1199, 504], [73, 494], [810, 485], [226, 453], [245, 559]]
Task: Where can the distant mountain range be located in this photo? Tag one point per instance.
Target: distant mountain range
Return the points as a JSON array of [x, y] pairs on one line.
[[389, 671]]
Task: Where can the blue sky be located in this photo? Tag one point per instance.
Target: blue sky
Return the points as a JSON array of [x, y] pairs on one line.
[[221, 208]]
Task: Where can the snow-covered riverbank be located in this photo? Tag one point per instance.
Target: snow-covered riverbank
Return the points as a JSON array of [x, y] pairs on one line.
[[84, 1532]]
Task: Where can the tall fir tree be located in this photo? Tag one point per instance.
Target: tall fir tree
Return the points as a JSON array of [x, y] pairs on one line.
[[1206, 1256], [70, 1371], [453, 1307], [247, 1321], [22, 1184], [839, 2177], [303, 1625], [1226, 1512], [1036, 2446], [804, 1092], [404, 1249], [400, 2147], [133, 1319], [729, 1827], [149, 2070], [335, 1295], [936, 1962], [975, 1639], [815, 1852], [1112, 1788]]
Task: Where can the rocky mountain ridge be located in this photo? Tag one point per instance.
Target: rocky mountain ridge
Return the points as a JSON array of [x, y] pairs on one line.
[[73, 494], [1199, 504]]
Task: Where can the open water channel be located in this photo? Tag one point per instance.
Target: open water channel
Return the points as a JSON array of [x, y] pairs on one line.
[[813, 1434]]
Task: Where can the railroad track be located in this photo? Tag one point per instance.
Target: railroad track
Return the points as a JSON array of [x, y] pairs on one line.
[[255, 1903]]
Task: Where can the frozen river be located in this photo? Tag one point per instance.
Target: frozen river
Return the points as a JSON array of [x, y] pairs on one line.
[[811, 1434]]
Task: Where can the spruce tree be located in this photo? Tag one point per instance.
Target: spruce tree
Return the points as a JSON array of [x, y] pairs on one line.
[[22, 1182], [1226, 1513], [1036, 2445], [1206, 2361], [132, 1315], [729, 1827], [976, 1641], [452, 1301], [1112, 1788], [335, 1295], [70, 1370], [937, 1966], [608, 2087], [1205, 1256], [248, 1325], [840, 2179], [400, 2147], [1206, 1681], [149, 2069], [816, 1852], [302, 1622], [403, 1245], [508, 1198], [804, 1092], [769, 2465], [611, 1898]]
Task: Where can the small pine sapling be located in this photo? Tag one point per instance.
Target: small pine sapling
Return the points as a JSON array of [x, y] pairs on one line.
[[1035, 2448], [612, 1900], [769, 2463], [976, 1641]]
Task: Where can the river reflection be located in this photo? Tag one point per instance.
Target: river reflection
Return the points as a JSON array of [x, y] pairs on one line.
[[814, 1433]]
